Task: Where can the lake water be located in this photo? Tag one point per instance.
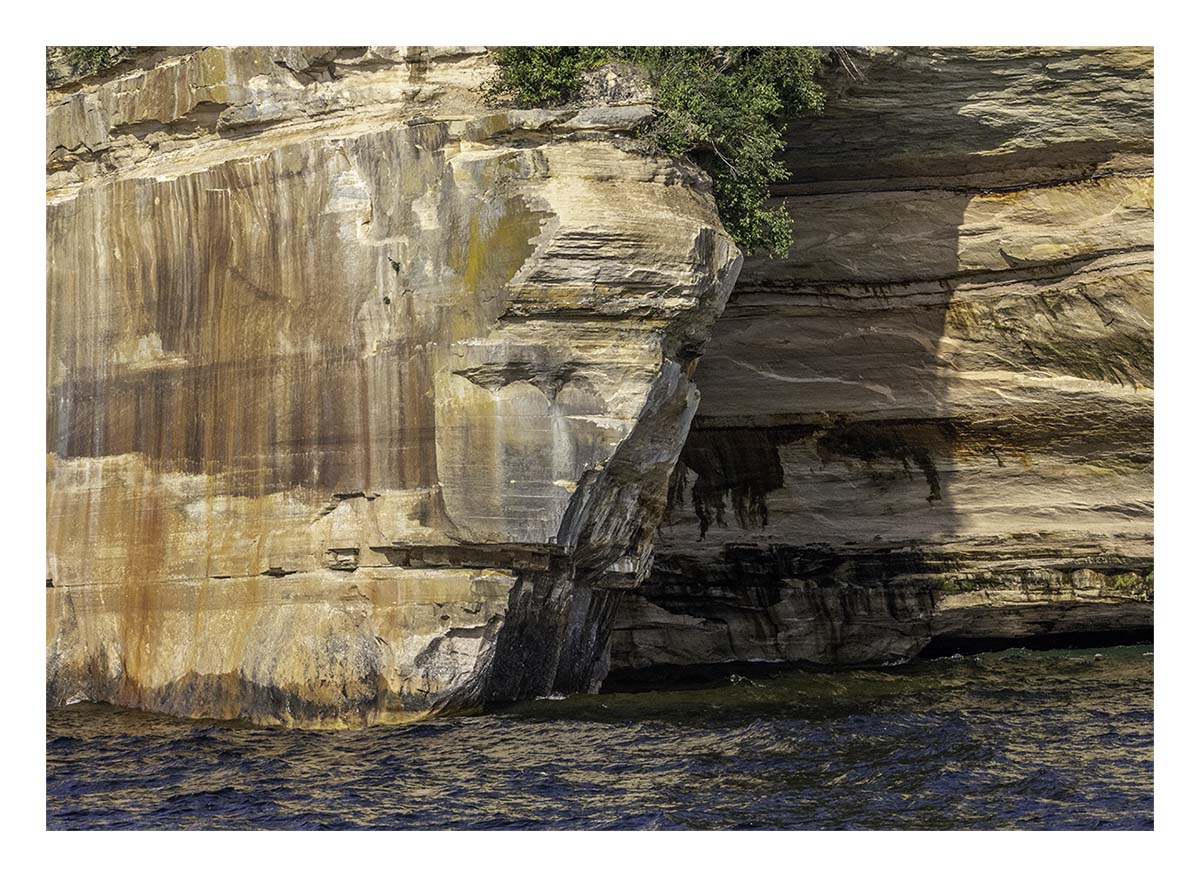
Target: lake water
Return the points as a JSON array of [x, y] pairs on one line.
[[1015, 739]]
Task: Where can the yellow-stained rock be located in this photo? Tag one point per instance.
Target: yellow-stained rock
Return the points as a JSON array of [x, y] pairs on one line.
[[362, 396]]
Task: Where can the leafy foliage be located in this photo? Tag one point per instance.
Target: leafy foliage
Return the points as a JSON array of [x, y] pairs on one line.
[[83, 60], [534, 76], [723, 106]]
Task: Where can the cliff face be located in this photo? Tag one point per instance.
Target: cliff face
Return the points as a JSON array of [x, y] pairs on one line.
[[363, 398], [366, 400], [934, 420]]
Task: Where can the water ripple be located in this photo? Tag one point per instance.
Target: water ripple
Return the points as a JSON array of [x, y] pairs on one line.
[[1018, 739]]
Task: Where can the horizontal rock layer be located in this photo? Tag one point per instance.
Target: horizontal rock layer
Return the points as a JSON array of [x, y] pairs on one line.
[[935, 417], [363, 397]]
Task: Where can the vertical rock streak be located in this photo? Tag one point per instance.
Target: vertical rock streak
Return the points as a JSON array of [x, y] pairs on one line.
[[363, 398], [366, 401]]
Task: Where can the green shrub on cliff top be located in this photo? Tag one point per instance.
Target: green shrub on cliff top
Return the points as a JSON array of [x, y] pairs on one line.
[[538, 76], [78, 61], [725, 107]]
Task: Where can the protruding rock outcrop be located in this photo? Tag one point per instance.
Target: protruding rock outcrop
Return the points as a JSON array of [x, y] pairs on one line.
[[366, 400], [935, 418], [363, 396]]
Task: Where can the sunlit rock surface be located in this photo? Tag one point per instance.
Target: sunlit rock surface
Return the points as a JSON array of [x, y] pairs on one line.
[[935, 417], [363, 397]]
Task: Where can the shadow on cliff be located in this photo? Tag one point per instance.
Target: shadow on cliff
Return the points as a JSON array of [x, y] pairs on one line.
[[825, 450]]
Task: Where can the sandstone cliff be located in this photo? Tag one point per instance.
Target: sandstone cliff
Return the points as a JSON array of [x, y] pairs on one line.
[[934, 420], [363, 397], [366, 400]]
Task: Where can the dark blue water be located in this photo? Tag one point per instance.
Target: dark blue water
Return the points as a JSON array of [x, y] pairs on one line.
[[1016, 739]]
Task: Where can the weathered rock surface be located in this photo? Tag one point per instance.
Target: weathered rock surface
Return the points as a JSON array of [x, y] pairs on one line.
[[366, 400], [363, 397], [935, 418]]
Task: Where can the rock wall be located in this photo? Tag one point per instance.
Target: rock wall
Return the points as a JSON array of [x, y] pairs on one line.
[[366, 400], [363, 397], [934, 419]]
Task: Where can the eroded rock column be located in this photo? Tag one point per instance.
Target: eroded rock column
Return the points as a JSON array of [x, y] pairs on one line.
[[363, 397]]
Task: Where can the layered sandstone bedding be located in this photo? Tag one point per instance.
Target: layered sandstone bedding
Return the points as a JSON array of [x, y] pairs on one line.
[[934, 419], [366, 399], [363, 397]]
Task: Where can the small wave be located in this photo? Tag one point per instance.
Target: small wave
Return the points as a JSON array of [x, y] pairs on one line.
[[1038, 742], [735, 679]]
